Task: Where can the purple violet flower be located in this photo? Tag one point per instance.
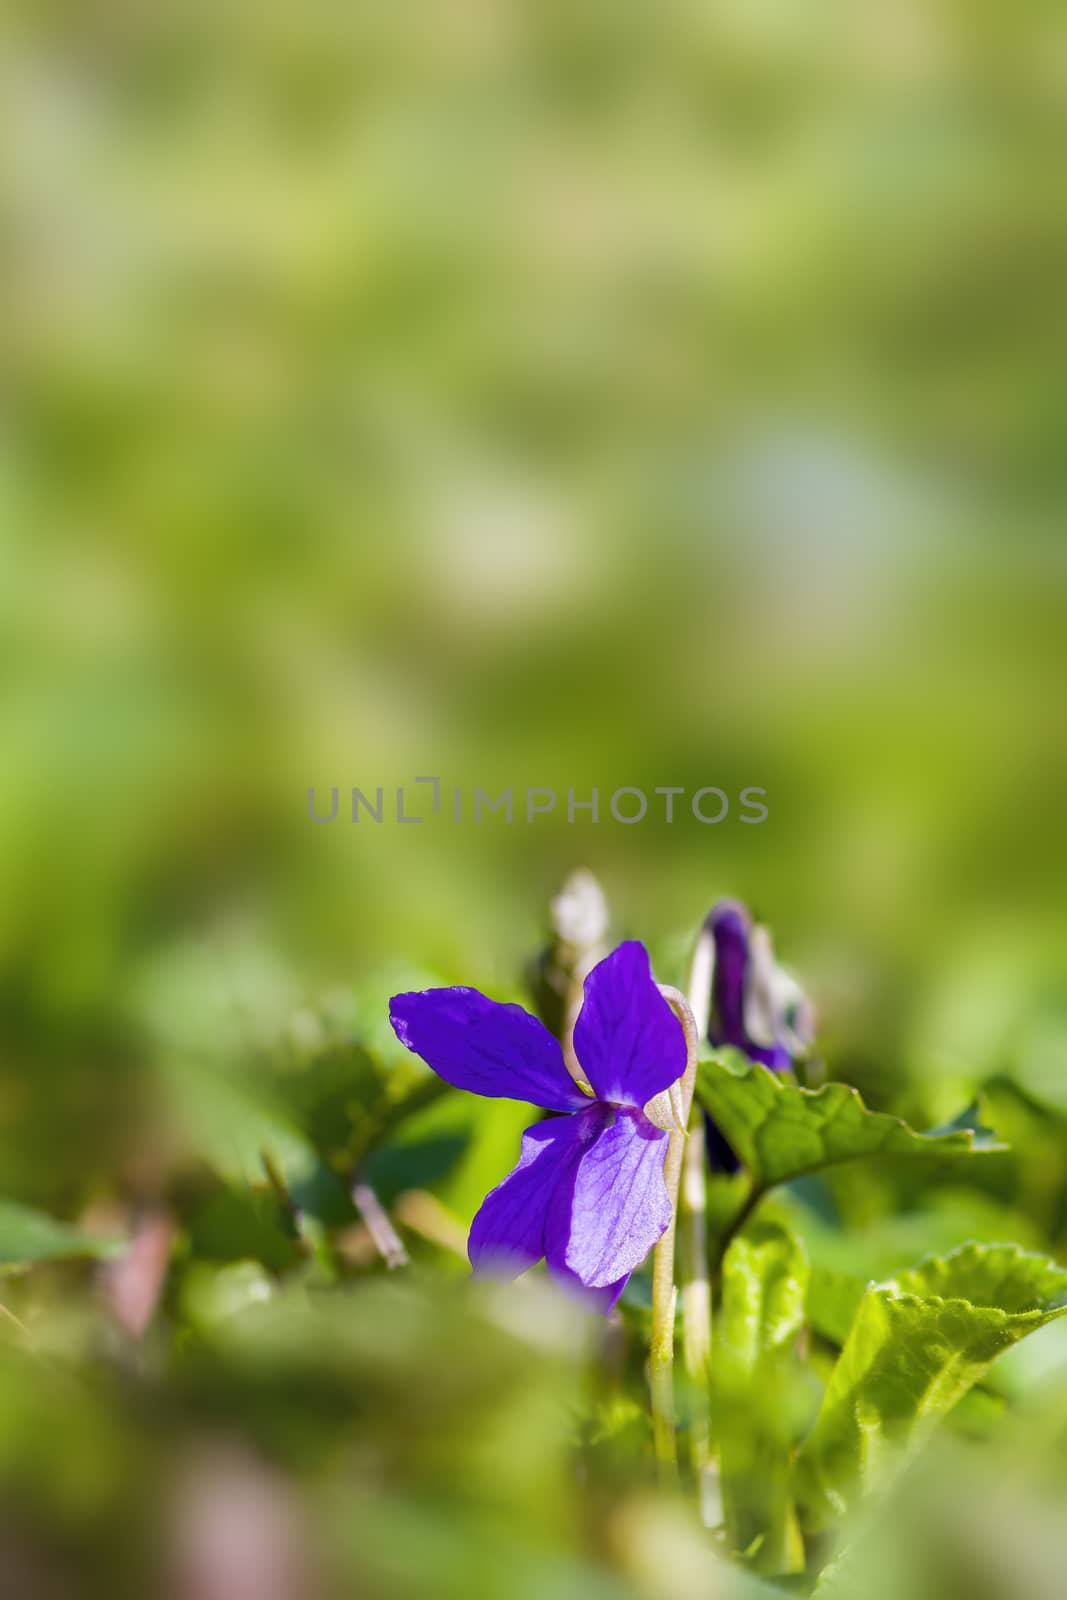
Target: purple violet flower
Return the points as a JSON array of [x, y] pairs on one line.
[[732, 991], [588, 1193], [755, 1006]]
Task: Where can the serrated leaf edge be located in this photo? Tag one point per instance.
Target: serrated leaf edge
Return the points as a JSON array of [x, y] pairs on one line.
[[960, 1139]]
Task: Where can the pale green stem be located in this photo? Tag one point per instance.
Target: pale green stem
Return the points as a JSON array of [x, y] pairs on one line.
[[696, 1288], [696, 1298], [661, 1346]]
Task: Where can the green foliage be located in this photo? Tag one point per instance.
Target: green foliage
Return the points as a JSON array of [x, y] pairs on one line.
[[28, 1236], [761, 1399], [916, 1346], [573, 394], [764, 1278], [781, 1131], [345, 1101], [238, 1223]]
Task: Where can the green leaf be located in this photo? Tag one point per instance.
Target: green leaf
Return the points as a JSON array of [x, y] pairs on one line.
[[760, 1395], [971, 1118], [780, 1131], [344, 1101], [247, 1070], [334, 1108], [833, 1300], [764, 1282], [27, 1236], [236, 1223], [230, 1119], [844, 1260], [917, 1345]]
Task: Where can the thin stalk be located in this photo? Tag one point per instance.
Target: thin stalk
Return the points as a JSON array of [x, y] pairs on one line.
[[696, 1289], [664, 1295], [696, 1298], [379, 1225]]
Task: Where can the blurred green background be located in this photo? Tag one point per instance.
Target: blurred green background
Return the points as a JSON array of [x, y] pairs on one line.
[[571, 395]]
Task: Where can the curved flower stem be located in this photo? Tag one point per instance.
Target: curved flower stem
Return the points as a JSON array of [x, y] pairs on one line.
[[661, 1347]]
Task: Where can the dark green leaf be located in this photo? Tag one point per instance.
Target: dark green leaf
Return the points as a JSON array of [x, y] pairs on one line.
[[238, 1223]]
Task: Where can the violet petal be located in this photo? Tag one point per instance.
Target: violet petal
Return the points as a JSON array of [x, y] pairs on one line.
[[604, 1219], [508, 1232], [482, 1045], [627, 1038]]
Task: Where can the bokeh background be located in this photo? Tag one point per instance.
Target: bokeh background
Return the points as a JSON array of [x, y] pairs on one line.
[[569, 395]]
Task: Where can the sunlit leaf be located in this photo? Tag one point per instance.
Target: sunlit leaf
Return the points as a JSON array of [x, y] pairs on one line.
[[917, 1345], [781, 1131], [764, 1281]]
